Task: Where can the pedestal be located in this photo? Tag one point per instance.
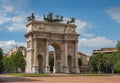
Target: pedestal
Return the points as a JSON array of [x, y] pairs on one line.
[[66, 69], [76, 69], [47, 69], [35, 69]]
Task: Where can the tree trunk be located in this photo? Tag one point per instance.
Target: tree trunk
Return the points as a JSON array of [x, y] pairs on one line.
[[98, 70], [112, 70]]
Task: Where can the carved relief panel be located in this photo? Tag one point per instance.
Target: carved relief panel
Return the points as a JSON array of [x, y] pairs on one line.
[[29, 28], [69, 29], [71, 48], [58, 54], [55, 29], [42, 27], [28, 44], [39, 27], [41, 35], [71, 36], [56, 36], [41, 45]]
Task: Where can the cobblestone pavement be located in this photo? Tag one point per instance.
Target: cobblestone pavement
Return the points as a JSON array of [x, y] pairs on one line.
[[64, 79]]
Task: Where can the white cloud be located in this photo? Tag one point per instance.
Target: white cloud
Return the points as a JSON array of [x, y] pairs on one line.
[[17, 23], [114, 12], [16, 27], [88, 35], [83, 26], [3, 18], [86, 45], [95, 42], [10, 20], [8, 8], [8, 45]]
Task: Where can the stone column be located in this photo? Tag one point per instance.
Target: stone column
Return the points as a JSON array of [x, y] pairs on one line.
[[47, 67], [54, 67], [76, 67], [66, 68], [35, 66]]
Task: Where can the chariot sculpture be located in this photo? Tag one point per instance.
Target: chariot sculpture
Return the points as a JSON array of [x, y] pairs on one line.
[[49, 18]]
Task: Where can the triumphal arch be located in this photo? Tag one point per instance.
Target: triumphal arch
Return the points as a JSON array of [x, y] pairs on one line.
[[51, 31]]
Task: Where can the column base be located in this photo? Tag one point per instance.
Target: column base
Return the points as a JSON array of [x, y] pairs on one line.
[[47, 69], [66, 69], [54, 70], [35, 69], [76, 69]]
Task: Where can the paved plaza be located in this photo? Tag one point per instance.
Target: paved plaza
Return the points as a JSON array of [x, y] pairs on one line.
[[61, 79]]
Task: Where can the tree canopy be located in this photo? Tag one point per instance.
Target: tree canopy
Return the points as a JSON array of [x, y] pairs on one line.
[[118, 45], [15, 63], [1, 63]]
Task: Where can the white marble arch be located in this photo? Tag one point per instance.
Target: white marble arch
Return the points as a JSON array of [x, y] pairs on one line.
[[64, 42]]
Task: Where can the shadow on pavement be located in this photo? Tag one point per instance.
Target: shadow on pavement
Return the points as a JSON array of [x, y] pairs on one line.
[[16, 79]]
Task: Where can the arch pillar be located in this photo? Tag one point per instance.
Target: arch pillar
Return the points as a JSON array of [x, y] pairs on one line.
[[65, 67], [47, 67], [35, 66], [76, 67]]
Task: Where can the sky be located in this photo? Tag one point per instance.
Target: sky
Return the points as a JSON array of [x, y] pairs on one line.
[[98, 21]]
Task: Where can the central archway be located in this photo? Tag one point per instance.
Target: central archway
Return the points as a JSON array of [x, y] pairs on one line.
[[55, 55], [51, 59]]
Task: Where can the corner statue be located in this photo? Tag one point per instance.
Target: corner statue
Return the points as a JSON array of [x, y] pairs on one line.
[[49, 18], [31, 18], [72, 20]]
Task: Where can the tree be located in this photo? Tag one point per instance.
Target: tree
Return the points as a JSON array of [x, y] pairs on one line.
[[7, 64], [92, 62], [99, 62], [19, 61], [106, 62], [118, 45], [96, 62], [79, 62], [51, 62], [109, 62], [1, 63], [117, 67], [14, 63]]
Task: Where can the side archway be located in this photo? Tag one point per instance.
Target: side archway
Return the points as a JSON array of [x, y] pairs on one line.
[[70, 63], [40, 63]]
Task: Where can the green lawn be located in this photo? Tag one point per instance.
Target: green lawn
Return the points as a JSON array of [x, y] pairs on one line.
[[28, 75], [53, 75]]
